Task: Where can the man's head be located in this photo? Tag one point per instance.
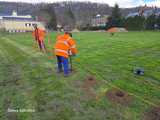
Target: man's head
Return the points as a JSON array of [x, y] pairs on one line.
[[69, 33], [67, 30], [35, 26]]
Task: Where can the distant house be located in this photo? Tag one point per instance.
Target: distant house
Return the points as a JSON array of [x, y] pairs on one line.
[[99, 21], [17, 23]]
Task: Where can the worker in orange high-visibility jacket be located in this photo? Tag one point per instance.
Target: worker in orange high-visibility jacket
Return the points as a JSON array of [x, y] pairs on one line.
[[64, 47], [39, 35]]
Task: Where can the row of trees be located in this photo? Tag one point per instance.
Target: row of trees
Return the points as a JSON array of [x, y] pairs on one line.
[[115, 20], [132, 23], [48, 15]]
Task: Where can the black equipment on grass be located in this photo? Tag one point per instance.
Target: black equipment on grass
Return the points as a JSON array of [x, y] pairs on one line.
[[139, 71]]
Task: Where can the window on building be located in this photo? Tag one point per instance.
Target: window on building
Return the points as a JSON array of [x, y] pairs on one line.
[[26, 24]]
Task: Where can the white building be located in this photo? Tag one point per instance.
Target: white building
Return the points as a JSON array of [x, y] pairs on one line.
[[17, 23], [99, 20]]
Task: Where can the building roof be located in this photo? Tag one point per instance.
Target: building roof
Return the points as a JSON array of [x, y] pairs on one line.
[[17, 18], [14, 16]]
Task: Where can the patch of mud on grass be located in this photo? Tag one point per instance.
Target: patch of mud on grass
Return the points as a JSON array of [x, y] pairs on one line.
[[119, 97], [90, 82], [153, 114], [88, 86]]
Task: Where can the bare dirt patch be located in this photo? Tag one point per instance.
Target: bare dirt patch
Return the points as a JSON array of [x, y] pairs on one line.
[[153, 114], [90, 82], [119, 97], [88, 86]]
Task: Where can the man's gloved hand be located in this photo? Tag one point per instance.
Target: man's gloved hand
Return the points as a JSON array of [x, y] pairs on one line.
[[73, 55], [70, 53]]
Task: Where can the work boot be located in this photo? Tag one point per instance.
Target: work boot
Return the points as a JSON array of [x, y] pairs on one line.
[[59, 71], [70, 70], [66, 75]]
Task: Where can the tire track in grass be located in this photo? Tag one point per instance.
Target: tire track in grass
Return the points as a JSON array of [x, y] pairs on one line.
[[28, 51], [3, 104], [33, 54], [5, 98], [10, 53], [37, 95]]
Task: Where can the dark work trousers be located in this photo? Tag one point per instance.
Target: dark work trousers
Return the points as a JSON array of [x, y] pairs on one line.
[[63, 64], [41, 45]]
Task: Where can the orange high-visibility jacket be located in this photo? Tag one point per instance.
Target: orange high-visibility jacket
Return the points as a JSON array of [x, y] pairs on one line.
[[39, 34], [64, 44]]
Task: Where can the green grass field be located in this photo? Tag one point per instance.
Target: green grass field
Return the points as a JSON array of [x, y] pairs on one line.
[[28, 79]]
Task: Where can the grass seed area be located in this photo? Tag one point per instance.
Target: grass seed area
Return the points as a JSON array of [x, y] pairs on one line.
[[28, 78]]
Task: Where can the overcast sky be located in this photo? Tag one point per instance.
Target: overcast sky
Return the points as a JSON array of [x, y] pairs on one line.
[[122, 3]]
